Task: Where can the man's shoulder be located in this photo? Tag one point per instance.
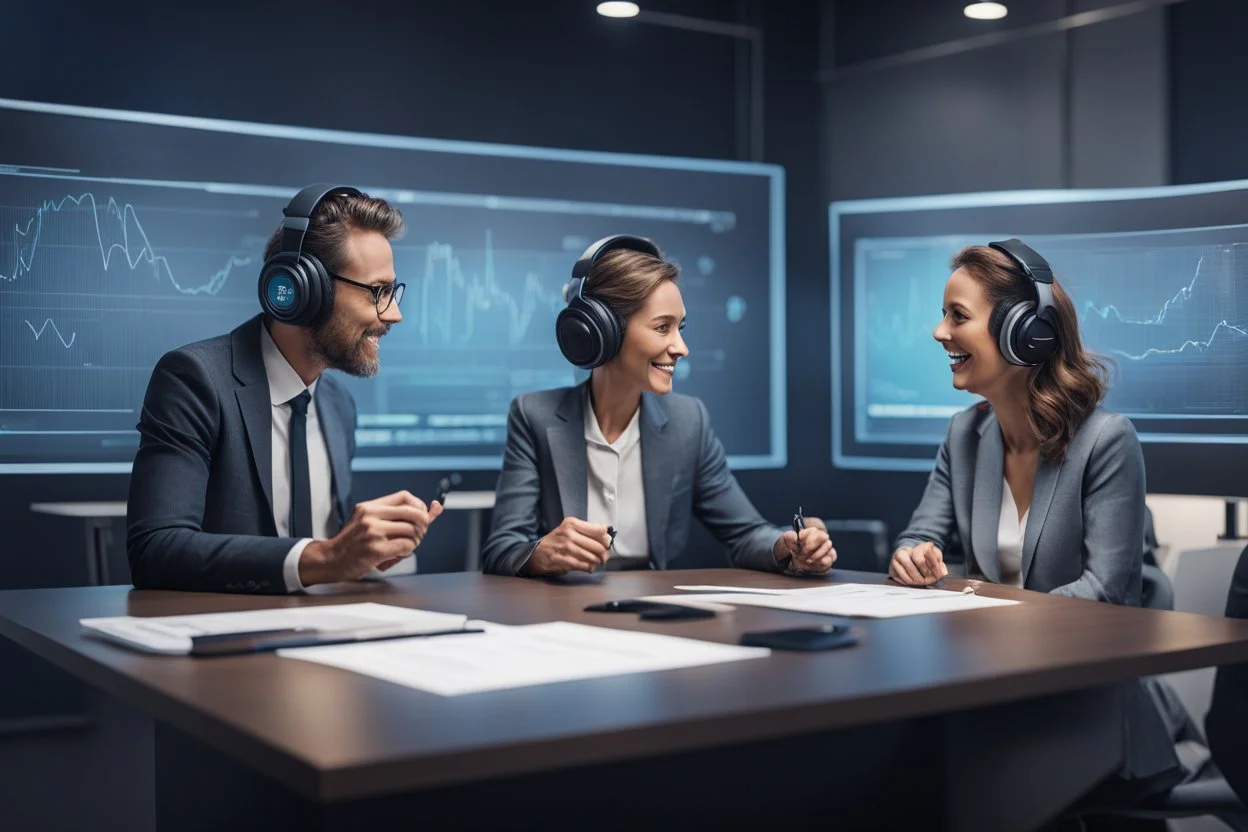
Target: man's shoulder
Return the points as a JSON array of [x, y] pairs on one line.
[[333, 387], [211, 358]]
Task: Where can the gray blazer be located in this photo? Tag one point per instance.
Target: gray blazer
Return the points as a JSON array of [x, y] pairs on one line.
[[1084, 539], [200, 510], [1085, 533], [545, 479]]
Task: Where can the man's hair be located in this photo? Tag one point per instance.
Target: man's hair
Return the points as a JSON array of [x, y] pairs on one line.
[[334, 218]]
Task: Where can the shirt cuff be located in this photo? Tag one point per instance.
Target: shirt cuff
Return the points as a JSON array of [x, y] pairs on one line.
[[290, 567]]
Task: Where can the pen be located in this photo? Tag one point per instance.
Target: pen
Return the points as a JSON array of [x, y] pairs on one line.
[[799, 522], [257, 642]]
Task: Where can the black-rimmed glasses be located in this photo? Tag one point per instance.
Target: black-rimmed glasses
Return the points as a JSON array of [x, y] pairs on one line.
[[383, 293]]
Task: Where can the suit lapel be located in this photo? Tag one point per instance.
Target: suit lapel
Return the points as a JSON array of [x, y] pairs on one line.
[[253, 402], [566, 439], [986, 506], [335, 434], [1041, 499], [659, 454]]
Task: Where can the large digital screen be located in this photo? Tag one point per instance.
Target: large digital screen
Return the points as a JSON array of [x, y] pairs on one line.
[[124, 234], [1158, 276]]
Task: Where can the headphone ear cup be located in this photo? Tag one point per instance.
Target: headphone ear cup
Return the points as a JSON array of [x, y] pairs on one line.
[[610, 327], [1036, 340], [579, 338], [283, 289], [589, 333], [1011, 319], [321, 290]]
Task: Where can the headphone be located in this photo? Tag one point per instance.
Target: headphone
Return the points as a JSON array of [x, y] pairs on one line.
[[295, 288], [1027, 330], [589, 332]]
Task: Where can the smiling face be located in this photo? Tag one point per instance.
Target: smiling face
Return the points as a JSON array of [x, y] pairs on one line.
[[974, 356], [653, 343], [349, 339]]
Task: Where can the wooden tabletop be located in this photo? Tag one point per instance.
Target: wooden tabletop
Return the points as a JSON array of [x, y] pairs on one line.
[[332, 735]]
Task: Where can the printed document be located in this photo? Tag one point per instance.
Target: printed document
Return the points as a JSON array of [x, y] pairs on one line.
[[511, 657], [851, 600], [172, 634]]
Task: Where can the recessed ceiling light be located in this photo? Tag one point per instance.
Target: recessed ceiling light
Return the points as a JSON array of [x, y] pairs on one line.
[[975, 11], [617, 9]]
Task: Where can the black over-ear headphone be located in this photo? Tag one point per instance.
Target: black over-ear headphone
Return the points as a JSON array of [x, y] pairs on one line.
[[588, 331], [1027, 330], [295, 288]]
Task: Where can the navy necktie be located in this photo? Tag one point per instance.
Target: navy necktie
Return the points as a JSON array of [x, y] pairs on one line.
[[300, 479]]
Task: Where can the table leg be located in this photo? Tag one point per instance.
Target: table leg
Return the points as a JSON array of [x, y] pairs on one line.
[[472, 556], [99, 536], [93, 557]]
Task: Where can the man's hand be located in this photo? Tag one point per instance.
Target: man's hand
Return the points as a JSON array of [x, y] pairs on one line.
[[572, 545], [379, 534]]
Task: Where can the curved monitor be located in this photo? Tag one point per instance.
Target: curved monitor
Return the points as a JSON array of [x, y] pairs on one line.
[[125, 234], [1159, 277]]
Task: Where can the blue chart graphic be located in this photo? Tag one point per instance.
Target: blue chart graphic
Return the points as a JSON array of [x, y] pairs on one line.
[[1166, 309], [100, 274]]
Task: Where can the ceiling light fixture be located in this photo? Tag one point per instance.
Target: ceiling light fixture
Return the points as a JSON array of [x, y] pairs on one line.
[[617, 9], [975, 11]]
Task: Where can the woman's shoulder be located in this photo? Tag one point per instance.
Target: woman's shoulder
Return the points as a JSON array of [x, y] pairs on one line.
[[1107, 424], [540, 404], [1104, 431]]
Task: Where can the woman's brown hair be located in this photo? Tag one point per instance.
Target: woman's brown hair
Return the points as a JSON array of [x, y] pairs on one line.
[[1068, 387], [623, 279]]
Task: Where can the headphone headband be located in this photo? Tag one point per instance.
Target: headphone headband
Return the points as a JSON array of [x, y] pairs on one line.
[[615, 241], [298, 213], [1028, 336], [588, 331]]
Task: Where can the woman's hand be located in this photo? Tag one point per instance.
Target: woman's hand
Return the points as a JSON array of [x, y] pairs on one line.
[[920, 565]]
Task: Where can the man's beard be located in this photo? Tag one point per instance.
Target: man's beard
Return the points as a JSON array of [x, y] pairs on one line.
[[337, 343]]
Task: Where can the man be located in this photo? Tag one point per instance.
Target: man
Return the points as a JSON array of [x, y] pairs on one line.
[[242, 480]]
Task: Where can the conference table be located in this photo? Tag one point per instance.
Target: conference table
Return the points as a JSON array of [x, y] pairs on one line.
[[995, 718]]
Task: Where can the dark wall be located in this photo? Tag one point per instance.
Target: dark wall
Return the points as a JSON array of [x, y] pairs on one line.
[[1209, 122]]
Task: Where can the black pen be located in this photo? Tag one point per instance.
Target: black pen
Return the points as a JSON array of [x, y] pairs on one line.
[[223, 644]]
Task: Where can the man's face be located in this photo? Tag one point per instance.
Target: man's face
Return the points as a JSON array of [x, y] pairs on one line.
[[348, 339]]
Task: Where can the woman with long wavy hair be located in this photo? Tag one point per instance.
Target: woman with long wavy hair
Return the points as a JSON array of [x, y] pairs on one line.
[[1040, 486]]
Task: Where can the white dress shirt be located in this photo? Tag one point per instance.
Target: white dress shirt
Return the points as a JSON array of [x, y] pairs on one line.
[[617, 494], [284, 385], [1010, 530]]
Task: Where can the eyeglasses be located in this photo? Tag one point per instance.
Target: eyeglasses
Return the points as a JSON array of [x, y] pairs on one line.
[[383, 293]]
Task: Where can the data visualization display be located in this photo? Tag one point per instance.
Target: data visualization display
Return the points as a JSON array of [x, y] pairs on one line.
[[123, 235], [1159, 278]]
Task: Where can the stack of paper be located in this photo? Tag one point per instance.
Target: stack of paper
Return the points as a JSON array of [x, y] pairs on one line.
[[511, 657], [172, 634], [851, 600]]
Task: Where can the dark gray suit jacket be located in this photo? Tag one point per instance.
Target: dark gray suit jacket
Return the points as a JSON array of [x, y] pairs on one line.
[[200, 510], [685, 474], [1084, 537], [1085, 533]]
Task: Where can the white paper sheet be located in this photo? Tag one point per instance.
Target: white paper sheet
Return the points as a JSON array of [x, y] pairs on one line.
[[511, 657], [853, 600], [172, 634]]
